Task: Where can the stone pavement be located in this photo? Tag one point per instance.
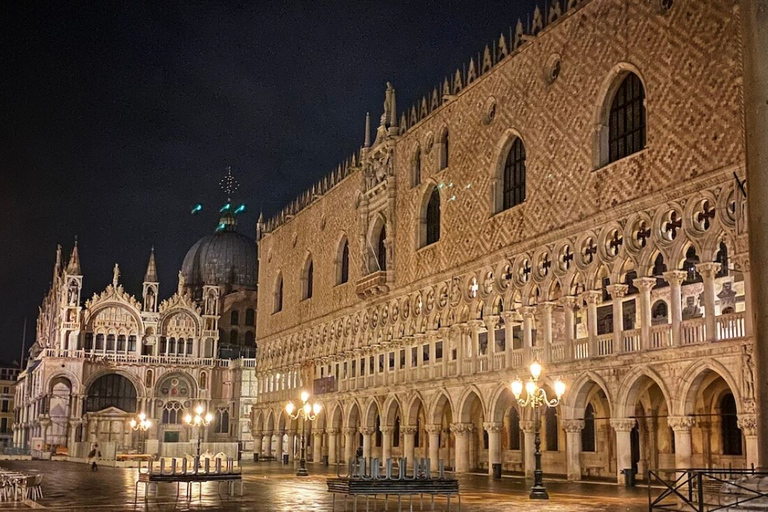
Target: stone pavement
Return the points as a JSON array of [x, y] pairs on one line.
[[274, 487]]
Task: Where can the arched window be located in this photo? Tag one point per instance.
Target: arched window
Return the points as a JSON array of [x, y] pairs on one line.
[[729, 427], [513, 190], [381, 249], [222, 422], [278, 294], [378, 435], [551, 428], [396, 433], [111, 390], [308, 279], [99, 342], [233, 337], [250, 317], [342, 263], [149, 378], [234, 318], [163, 345], [689, 265], [626, 121], [444, 150], [722, 259], [88, 341], [189, 346], [171, 346], [250, 339], [588, 432], [416, 168], [110, 342], [121, 343], [203, 380], [430, 227], [172, 413], [514, 429]]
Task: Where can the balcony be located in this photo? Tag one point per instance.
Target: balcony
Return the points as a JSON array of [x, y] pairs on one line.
[[140, 359], [372, 285]]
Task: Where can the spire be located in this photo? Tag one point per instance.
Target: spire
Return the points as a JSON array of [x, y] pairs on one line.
[[260, 226], [367, 130], [73, 267], [151, 275]]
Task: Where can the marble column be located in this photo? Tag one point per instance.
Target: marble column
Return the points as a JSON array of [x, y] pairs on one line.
[[708, 272], [675, 279], [573, 430], [623, 427], [645, 284], [474, 326], [748, 425], [333, 438], [386, 443], [409, 438], [494, 444], [349, 443], [527, 312], [317, 445], [367, 441], [741, 262], [529, 450], [266, 443], [591, 297], [681, 427], [618, 291], [568, 303], [462, 432], [293, 437], [545, 310], [461, 336], [509, 326], [491, 322], [434, 445]]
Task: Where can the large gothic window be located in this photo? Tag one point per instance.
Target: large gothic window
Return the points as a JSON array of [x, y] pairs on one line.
[[308, 280], [381, 249], [416, 168], [551, 428], [342, 274], [513, 190], [172, 413], [588, 432], [221, 425], [444, 148], [111, 390], [514, 429], [626, 122], [278, 294], [729, 427], [430, 228]]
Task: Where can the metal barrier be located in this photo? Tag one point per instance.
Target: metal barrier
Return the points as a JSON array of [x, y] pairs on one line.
[[706, 490]]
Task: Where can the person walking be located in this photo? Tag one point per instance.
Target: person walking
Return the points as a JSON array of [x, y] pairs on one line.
[[93, 455]]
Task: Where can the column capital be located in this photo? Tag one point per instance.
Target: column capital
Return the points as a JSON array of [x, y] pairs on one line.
[[257, 433], [332, 431], [292, 432], [461, 428], [623, 424], [591, 296], [491, 321], [527, 311], [508, 316], [493, 427], [349, 431], [386, 430], [433, 428], [568, 301], [528, 426], [547, 306], [680, 423], [573, 426], [748, 424], [617, 290], [367, 431], [741, 261], [644, 284], [408, 431], [475, 324], [708, 269], [675, 277]]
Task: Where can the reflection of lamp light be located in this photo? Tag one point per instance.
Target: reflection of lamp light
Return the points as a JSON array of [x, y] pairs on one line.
[[142, 424], [306, 412], [200, 421], [536, 397]]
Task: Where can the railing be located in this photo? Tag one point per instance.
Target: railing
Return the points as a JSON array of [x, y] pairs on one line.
[[437, 371], [538, 354], [482, 363], [517, 357], [558, 352], [581, 349], [707, 490], [466, 367], [661, 336], [605, 344], [731, 326], [499, 361], [630, 340], [139, 359], [693, 331], [452, 366]]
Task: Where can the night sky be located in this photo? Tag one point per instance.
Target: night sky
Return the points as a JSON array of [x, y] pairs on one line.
[[117, 117]]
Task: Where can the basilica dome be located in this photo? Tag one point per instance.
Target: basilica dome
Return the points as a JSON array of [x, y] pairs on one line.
[[223, 258]]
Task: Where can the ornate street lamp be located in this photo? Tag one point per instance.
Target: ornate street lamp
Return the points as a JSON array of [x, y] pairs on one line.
[[199, 421], [307, 412], [142, 424], [536, 398]]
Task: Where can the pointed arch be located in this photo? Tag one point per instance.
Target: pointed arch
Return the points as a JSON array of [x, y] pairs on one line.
[[342, 260], [308, 277], [430, 214], [691, 379], [277, 294], [635, 382]]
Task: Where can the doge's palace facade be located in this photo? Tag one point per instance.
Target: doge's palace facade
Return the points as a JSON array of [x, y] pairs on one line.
[[576, 196]]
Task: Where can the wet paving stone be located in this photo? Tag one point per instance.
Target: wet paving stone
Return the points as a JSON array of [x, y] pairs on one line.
[[274, 487]]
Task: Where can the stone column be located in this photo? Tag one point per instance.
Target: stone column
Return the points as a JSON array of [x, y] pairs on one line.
[[491, 322], [509, 327], [462, 431], [474, 326], [317, 445], [591, 297], [349, 443], [527, 312], [266, 443], [409, 438], [708, 272], [333, 437], [645, 284], [741, 262], [292, 437], [434, 445], [386, 443], [573, 430], [529, 450], [622, 427], [494, 444], [545, 310], [367, 441], [618, 291], [675, 279], [748, 425], [460, 348], [681, 426], [568, 302]]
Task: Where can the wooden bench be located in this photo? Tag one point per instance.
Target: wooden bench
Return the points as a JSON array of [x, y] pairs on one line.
[[134, 456], [354, 487], [189, 476]]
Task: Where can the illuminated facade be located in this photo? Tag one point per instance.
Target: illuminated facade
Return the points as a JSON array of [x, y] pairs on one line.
[[574, 197]]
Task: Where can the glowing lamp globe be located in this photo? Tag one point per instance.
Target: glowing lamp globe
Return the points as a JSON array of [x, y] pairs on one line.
[[535, 369], [530, 387], [289, 407], [316, 408], [304, 396], [517, 388], [559, 388]]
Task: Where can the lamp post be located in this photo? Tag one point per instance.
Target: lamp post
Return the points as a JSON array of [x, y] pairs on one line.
[[307, 412], [200, 421], [536, 397], [141, 423]]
